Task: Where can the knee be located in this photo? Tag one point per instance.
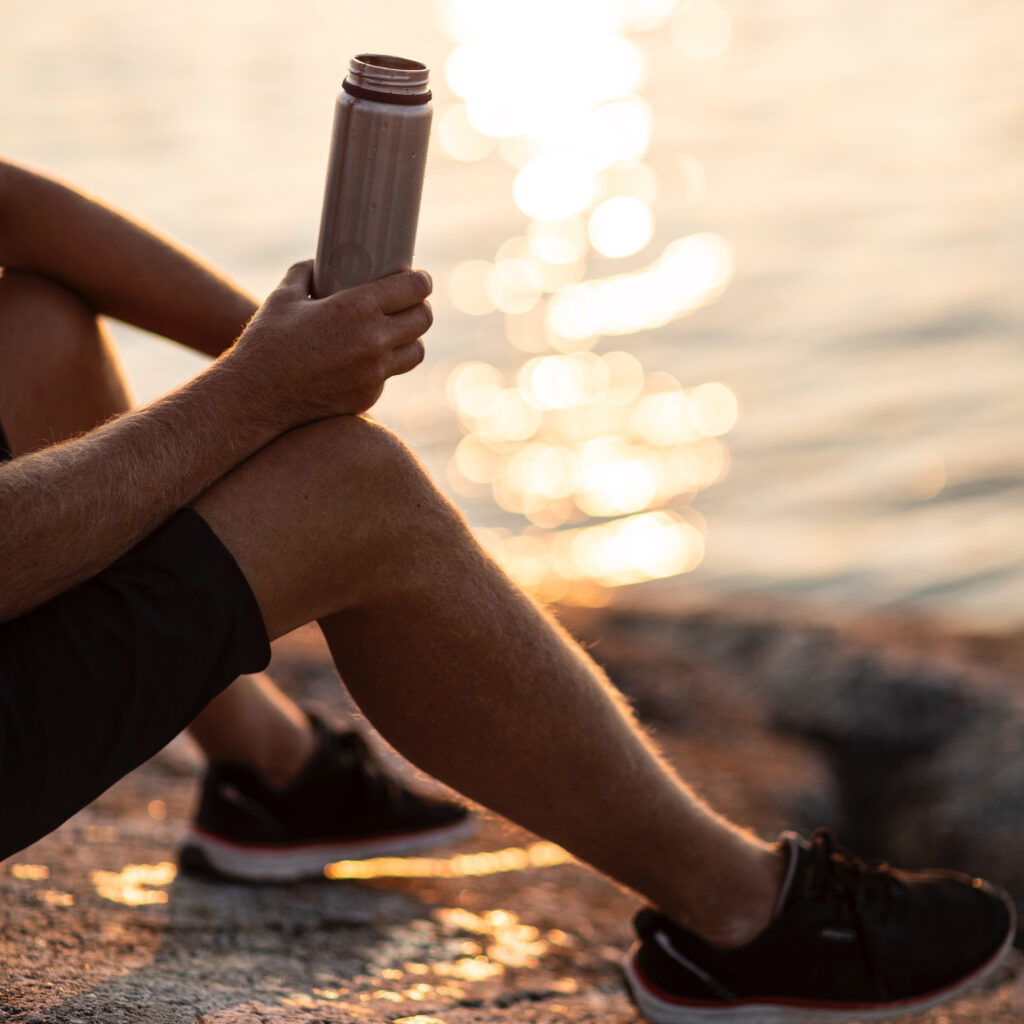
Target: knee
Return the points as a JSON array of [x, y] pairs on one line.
[[45, 325], [366, 470], [356, 453]]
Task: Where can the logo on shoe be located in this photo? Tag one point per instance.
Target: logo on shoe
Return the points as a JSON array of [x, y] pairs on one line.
[[229, 793], [838, 934]]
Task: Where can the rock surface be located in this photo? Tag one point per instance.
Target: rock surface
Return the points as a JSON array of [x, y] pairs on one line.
[[766, 718]]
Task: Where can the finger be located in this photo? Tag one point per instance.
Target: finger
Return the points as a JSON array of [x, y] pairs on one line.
[[298, 279], [411, 323], [400, 291], [406, 357]]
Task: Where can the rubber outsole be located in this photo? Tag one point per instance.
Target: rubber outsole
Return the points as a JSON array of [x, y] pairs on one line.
[[205, 853], [663, 1011]]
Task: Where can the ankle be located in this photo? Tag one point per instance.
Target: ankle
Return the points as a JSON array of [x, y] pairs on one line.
[[736, 912], [281, 760]]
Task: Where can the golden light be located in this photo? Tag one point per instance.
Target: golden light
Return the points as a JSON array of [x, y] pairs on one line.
[[512, 943], [621, 130], [551, 471], [702, 29], [529, 274], [614, 479], [554, 187], [459, 139], [468, 287], [625, 376], [55, 898], [656, 545], [133, 884], [462, 865], [553, 515], [30, 872], [514, 285], [626, 486], [644, 15], [527, 555], [574, 313], [581, 435], [475, 461], [517, 151], [700, 264], [665, 418], [461, 20], [511, 416], [648, 546], [556, 276], [559, 242], [691, 272], [700, 464], [553, 382], [714, 409], [470, 968], [473, 386], [528, 331], [620, 226]]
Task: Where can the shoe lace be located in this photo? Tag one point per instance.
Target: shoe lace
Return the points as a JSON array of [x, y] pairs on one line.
[[836, 873]]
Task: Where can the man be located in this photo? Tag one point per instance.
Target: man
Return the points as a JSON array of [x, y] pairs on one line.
[[147, 564], [284, 795]]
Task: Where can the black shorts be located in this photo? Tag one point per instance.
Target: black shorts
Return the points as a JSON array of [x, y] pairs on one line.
[[100, 678]]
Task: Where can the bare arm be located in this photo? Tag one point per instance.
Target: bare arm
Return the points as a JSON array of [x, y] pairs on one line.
[[119, 267], [68, 511]]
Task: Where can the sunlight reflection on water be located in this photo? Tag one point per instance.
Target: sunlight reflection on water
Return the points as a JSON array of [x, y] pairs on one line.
[[574, 437], [862, 174]]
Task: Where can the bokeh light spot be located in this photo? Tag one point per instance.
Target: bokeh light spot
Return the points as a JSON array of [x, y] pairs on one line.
[[620, 226], [715, 408], [554, 187], [468, 287], [459, 139]]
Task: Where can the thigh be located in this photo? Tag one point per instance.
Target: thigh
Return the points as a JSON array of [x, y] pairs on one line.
[[100, 678], [333, 516]]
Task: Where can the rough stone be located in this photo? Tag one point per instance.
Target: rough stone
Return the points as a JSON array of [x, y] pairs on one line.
[[721, 693]]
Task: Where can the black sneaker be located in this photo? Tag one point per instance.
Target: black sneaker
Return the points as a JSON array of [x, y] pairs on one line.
[[342, 807], [849, 940]]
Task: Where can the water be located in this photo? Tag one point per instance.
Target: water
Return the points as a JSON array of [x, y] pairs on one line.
[[864, 167]]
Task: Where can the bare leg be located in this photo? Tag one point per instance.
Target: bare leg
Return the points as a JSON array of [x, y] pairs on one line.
[[60, 371], [252, 722], [470, 679], [60, 378]]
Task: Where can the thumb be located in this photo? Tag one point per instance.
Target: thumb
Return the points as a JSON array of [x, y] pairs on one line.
[[297, 281]]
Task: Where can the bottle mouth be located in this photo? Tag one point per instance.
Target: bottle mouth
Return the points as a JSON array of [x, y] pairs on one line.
[[383, 73]]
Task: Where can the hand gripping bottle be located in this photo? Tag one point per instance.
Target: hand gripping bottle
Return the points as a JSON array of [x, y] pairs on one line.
[[375, 173]]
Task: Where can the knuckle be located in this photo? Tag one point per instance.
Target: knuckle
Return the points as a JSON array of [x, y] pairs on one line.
[[360, 303]]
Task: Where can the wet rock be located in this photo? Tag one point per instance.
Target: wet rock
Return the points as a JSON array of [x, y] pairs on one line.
[[963, 806]]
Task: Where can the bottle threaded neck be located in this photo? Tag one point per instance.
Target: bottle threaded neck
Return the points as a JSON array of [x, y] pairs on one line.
[[380, 73]]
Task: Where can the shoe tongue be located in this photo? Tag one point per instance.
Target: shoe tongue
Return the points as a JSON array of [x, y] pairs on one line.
[[790, 842]]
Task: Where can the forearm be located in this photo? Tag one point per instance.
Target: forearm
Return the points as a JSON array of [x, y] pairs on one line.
[[121, 268], [71, 510]]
